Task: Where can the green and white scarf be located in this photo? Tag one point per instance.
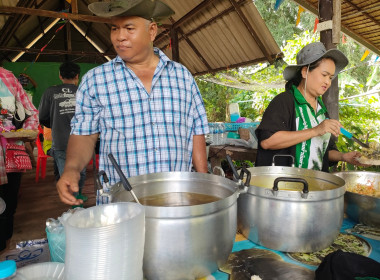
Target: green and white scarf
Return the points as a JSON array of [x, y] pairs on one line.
[[309, 154]]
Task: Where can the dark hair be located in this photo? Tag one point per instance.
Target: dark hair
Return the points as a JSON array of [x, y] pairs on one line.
[[68, 70], [298, 77]]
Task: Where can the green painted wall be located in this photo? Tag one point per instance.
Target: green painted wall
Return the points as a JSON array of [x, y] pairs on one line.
[[45, 74]]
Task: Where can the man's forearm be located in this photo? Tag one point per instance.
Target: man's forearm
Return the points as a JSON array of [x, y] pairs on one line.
[[79, 151], [199, 153]]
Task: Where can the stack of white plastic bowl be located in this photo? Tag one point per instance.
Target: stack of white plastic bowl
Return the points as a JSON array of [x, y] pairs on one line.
[[106, 242], [41, 271]]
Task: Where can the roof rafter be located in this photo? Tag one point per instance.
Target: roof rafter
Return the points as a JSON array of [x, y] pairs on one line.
[[362, 12], [251, 31], [45, 13], [348, 31]]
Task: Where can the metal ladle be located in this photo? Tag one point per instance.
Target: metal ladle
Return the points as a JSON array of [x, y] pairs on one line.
[[127, 186]]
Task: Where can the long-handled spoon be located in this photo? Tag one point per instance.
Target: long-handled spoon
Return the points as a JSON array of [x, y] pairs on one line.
[[127, 186]]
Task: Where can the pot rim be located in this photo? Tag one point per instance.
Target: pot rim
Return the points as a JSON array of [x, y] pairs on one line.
[[183, 211], [360, 173], [294, 172]]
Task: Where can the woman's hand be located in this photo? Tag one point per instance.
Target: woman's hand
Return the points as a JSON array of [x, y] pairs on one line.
[[351, 157], [328, 126]]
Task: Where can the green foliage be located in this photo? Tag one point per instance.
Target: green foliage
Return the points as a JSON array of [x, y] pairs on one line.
[[359, 115], [293, 46], [282, 23], [215, 98]]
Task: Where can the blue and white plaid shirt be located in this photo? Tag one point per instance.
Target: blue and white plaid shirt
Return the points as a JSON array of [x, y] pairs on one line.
[[146, 133]]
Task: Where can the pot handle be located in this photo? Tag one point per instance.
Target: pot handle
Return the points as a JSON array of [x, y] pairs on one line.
[[229, 160], [290, 179], [243, 170], [246, 171], [274, 158]]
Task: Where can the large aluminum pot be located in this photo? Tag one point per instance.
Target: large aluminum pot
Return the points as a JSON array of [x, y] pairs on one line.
[[291, 209], [362, 208], [185, 242]]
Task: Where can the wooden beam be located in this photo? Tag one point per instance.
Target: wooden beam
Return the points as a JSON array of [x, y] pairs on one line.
[[74, 6], [56, 52], [336, 21], [9, 28], [361, 40], [68, 37], [174, 44], [251, 31], [192, 46], [45, 13]]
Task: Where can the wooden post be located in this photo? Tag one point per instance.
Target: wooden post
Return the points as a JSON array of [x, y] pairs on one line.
[[336, 21], [68, 39], [74, 6], [331, 97], [68, 36], [174, 44]]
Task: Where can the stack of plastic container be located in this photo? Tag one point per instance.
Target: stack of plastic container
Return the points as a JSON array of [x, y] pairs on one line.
[[106, 242], [217, 134], [41, 271]]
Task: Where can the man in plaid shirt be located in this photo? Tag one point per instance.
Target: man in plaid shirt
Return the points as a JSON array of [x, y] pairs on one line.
[[10, 182], [146, 109]]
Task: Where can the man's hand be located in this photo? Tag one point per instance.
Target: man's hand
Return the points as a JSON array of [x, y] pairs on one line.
[[67, 185]]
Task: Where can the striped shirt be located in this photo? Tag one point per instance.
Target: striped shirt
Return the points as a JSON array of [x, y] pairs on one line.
[[16, 89], [146, 133]]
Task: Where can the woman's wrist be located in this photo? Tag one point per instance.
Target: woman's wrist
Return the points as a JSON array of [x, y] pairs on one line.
[[342, 157]]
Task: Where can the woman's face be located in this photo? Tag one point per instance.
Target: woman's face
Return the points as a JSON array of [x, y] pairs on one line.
[[132, 37], [319, 79]]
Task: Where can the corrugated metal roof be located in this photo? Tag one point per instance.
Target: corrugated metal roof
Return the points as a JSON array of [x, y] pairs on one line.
[[212, 34], [221, 36]]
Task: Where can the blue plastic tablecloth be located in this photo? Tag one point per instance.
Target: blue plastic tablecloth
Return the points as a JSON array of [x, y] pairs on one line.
[[246, 244]]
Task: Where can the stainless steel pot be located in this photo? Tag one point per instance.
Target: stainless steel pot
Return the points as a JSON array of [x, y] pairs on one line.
[[362, 208], [291, 209], [185, 242]]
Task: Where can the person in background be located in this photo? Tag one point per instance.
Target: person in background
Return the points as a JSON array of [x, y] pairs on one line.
[[56, 109], [145, 108], [10, 182], [29, 85], [296, 121], [47, 142]]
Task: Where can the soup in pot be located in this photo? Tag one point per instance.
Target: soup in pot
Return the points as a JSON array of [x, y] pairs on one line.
[[177, 199]]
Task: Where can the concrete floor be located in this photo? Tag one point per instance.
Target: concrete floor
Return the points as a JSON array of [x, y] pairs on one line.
[[39, 201]]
